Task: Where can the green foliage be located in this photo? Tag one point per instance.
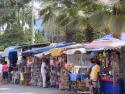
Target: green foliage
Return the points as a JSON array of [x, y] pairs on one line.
[[78, 15], [18, 37], [73, 15], [13, 11]]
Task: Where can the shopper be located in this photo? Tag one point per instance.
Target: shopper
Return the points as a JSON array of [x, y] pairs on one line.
[[43, 73], [5, 72], [15, 77], [10, 72]]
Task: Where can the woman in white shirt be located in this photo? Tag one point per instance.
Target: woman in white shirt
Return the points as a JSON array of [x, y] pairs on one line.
[[43, 73]]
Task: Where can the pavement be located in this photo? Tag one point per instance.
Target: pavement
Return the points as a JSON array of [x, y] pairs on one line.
[[18, 89]]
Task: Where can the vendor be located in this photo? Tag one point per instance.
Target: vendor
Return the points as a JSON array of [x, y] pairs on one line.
[[94, 75]]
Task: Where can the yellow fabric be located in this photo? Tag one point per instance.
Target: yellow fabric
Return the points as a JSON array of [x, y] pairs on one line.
[[21, 77], [94, 72], [57, 51]]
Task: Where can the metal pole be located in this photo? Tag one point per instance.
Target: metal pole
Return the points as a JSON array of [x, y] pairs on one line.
[[33, 31]]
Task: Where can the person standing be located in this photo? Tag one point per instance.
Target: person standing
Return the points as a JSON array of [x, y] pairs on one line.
[[94, 76], [90, 66], [10, 71], [43, 73], [5, 71]]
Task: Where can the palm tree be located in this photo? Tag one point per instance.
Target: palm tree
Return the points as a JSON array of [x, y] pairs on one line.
[[73, 15], [86, 16], [112, 19]]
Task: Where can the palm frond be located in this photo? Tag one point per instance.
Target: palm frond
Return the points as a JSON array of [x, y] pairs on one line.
[[117, 24]]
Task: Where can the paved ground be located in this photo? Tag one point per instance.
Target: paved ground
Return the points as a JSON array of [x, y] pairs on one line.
[[17, 89]]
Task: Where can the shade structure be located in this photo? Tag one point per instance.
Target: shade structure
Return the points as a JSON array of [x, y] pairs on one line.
[[105, 43], [73, 51], [45, 50], [63, 44], [57, 51], [77, 45], [36, 51], [8, 50], [42, 54]]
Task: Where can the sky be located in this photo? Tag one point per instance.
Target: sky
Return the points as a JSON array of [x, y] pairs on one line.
[[38, 20]]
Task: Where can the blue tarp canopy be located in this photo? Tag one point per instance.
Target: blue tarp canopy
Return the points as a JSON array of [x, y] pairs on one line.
[[13, 57], [36, 51], [44, 49], [11, 54], [63, 44], [9, 49]]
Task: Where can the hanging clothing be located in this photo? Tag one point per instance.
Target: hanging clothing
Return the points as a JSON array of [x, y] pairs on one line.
[[21, 77], [43, 68]]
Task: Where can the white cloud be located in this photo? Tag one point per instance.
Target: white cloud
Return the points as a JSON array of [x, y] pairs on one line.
[[108, 2]]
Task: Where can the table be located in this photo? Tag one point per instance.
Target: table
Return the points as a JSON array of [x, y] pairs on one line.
[[74, 77]]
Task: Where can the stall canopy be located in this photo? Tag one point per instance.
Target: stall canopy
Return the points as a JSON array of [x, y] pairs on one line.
[[60, 47], [77, 45], [9, 49], [105, 44], [57, 51], [63, 44], [36, 51], [46, 50]]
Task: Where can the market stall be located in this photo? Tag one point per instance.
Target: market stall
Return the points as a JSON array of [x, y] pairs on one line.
[[54, 51], [31, 65], [111, 62], [77, 64]]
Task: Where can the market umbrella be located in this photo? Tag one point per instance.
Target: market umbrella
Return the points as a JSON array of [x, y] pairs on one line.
[[106, 43]]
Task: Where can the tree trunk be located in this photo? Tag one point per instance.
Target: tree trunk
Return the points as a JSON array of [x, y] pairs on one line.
[[69, 36], [89, 34], [116, 11]]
